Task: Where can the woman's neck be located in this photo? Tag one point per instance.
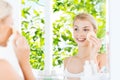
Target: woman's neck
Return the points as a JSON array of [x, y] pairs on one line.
[[83, 52]]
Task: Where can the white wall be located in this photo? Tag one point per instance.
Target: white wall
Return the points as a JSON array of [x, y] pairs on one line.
[[115, 39]]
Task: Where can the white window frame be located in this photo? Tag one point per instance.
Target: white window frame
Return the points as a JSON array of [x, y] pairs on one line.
[[48, 30]]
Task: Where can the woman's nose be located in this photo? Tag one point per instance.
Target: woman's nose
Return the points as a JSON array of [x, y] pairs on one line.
[[81, 33]]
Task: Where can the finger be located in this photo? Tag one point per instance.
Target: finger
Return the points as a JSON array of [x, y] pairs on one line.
[[93, 43], [91, 33], [22, 42], [16, 36], [96, 42]]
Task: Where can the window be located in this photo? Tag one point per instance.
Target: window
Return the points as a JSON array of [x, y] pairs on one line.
[[48, 28]]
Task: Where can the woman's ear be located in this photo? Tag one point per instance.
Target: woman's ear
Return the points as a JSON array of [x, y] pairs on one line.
[[95, 30], [0, 21]]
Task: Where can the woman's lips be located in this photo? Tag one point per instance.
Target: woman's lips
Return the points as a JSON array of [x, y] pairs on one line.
[[81, 39]]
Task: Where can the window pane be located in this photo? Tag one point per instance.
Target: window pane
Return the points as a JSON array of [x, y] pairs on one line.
[[64, 12], [33, 30]]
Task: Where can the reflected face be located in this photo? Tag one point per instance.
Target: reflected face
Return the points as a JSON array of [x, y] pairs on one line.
[[5, 30], [8, 21], [80, 31]]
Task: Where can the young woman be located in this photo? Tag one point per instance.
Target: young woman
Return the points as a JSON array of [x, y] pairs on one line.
[[14, 60], [84, 32]]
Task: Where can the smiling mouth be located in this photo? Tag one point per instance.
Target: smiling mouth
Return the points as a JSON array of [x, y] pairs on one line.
[[81, 39]]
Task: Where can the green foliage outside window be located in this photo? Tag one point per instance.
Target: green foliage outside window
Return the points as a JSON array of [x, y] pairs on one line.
[[63, 42], [62, 27], [33, 30]]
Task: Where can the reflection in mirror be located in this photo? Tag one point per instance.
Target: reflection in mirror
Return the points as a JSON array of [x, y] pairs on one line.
[[79, 34], [80, 39], [89, 61]]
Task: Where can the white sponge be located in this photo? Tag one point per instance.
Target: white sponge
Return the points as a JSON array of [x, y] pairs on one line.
[[91, 33]]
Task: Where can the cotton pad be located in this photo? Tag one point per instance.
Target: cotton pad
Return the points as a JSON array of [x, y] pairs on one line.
[[91, 33]]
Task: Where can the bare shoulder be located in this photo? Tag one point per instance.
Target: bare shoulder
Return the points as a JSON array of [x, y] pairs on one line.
[[7, 69], [3, 62], [102, 56], [66, 60], [102, 59]]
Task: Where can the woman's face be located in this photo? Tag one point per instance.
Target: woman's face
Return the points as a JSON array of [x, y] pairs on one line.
[[80, 31], [5, 30]]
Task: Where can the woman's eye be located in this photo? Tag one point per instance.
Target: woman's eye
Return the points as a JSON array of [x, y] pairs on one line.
[[86, 29], [75, 29]]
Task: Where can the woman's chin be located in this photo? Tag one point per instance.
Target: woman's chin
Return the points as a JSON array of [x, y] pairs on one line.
[[3, 44], [82, 44]]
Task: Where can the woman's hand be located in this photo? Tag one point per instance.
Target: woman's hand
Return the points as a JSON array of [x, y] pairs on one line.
[[21, 48], [22, 51], [94, 44]]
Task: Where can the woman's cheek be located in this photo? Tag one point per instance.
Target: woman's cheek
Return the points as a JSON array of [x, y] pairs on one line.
[[7, 33]]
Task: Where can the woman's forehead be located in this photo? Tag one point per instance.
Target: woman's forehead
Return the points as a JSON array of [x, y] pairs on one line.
[[82, 23]]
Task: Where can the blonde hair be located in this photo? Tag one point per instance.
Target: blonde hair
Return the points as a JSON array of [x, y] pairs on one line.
[[86, 16], [5, 9]]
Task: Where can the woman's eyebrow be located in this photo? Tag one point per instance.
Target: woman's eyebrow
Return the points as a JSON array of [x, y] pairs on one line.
[[81, 26], [76, 26], [86, 27]]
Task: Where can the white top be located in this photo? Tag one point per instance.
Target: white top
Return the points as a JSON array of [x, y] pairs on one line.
[[71, 76], [7, 53], [89, 73]]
